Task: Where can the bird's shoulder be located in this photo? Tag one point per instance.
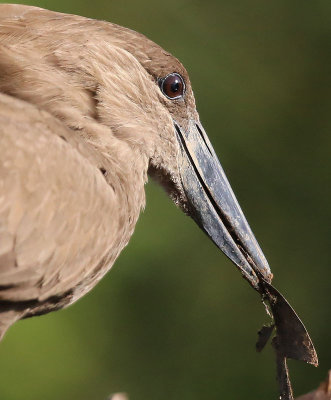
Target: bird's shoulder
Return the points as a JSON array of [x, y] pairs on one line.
[[57, 212]]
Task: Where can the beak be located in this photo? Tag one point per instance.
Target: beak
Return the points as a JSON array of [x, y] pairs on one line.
[[214, 207]]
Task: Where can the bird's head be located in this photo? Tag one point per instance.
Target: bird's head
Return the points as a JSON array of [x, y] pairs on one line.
[[181, 156], [116, 78]]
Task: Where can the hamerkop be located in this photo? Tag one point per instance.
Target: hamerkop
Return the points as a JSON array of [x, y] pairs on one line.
[[88, 110]]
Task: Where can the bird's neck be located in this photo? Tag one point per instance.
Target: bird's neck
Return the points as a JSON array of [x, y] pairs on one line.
[[83, 104], [125, 170]]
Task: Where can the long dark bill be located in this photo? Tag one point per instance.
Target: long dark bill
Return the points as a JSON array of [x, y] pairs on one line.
[[214, 206]]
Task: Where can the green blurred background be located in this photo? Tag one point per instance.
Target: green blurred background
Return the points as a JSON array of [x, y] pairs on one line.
[[174, 319]]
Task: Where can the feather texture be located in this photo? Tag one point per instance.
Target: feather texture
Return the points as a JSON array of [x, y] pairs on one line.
[[82, 121]]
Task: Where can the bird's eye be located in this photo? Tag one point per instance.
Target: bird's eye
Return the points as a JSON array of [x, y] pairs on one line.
[[172, 86]]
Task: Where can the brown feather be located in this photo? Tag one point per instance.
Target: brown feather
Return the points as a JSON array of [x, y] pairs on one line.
[[82, 120]]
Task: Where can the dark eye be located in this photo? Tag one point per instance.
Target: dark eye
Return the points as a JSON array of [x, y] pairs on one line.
[[172, 86]]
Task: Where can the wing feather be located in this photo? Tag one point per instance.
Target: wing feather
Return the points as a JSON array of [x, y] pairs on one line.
[[58, 216]]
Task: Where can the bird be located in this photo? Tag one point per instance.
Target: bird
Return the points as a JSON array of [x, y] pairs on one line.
[[88, 111]]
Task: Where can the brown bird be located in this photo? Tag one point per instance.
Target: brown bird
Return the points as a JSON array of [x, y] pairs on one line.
[[88, 110]]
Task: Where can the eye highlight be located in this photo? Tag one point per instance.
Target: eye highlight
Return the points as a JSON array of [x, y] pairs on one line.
[[172, 86]]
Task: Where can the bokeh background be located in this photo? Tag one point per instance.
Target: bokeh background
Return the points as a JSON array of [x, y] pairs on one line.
[[173, 319]]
